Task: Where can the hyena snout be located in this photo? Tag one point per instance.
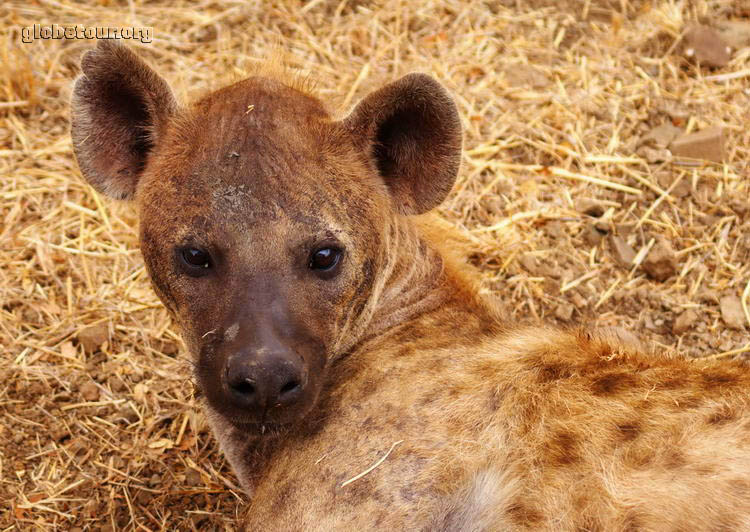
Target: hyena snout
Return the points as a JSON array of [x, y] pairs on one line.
[[259, 382]]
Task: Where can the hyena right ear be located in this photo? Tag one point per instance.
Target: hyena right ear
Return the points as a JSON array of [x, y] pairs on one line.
[[119, 108]]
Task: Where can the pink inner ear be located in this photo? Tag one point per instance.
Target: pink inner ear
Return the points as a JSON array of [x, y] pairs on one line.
[[119, 103]]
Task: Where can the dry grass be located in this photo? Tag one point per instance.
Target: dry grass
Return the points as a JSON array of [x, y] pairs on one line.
[[554, 98]]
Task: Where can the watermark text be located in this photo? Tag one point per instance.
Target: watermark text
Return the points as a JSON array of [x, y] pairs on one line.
[[57, 31]]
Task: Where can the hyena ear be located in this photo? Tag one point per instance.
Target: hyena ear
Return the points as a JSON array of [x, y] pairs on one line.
[[412, 130], [119, 108]]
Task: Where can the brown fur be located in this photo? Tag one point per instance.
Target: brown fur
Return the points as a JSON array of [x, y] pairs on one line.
[[500, 428]]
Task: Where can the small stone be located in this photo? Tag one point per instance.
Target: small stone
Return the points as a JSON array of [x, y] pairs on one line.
[[193, 478], [682, 189], [564, 311], [116, 384], [654, 155], [92, 337], [684, 321], [578, 300], [526, 76], [705, 45], [736, 33], [590, 207], [91, 507], [661, 262], [661, 136], [707, 295], [554, 229], [168, 348], [592, 235], [707, 144], [61, 434], [89, 391], [127, 415], [622, 252], [154, 481], [528, 261], [732, 313]]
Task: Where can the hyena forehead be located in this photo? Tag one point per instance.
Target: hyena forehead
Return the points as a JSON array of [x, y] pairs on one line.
[[259, 150]]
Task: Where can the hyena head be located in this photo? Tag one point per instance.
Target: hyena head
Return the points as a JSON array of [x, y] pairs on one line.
[[263, 220]]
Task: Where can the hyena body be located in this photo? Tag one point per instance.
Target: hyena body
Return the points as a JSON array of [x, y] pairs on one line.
[[352, 373]]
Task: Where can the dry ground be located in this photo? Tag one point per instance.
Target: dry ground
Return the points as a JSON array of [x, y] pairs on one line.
[[99, 430]]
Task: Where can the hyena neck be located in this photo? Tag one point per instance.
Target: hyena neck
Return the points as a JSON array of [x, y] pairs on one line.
[[419, 283]]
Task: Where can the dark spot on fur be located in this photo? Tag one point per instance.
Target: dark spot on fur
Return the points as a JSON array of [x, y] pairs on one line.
[[705, 470], [363, 488], [612, 383], [283, 495], [722, 415], [673, 381], [717, 379], [687, 402], [495, 400], [367, 424], [524, 515], [628, 431], [674, 458], [430, 397], [368, 388], [562, 449], [553, 372], [407, 494]]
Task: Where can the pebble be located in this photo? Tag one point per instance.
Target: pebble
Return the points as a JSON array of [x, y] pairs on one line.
[[193, 478], [684, 322], [732, 313], [168, 348], [528, 261], [578, 300], [622, 252], [89, 391], [592, 236], [661, 136], [655, 155], [707, 144], [92, 337], [590, 207], [736, 33], [661, 262], [705, 45], [564, 311], [526, 76]]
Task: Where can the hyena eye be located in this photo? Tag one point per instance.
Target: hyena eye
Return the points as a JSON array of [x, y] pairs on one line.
[[323, 261], [196, 261]]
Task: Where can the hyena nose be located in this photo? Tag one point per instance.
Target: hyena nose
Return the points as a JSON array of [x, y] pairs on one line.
[[262, 384]]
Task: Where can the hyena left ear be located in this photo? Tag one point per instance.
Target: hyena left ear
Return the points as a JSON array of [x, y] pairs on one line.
[[119, 108], [412, 131]]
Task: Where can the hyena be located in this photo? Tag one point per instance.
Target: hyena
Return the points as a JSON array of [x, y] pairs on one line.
[[352, 373]]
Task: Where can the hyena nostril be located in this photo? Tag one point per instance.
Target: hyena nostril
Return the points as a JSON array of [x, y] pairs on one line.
[[245, 387]]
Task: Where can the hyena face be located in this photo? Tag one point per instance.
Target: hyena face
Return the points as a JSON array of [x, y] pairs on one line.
[[264, 221]]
